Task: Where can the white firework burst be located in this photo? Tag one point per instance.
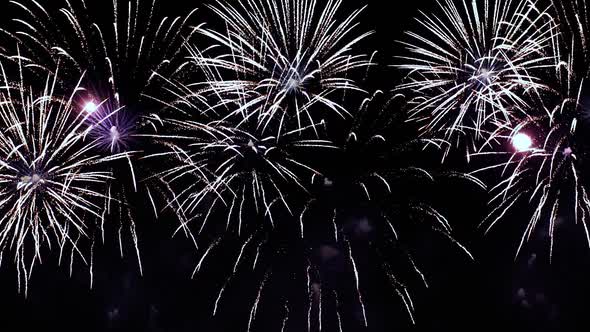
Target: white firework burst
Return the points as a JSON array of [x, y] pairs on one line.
[[546, 165], [287, 62], [119, 59], [474, 66], [220, 165], [51, 181]]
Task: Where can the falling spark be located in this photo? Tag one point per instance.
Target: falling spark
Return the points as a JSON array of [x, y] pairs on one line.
[[357, 284], [256, 302]]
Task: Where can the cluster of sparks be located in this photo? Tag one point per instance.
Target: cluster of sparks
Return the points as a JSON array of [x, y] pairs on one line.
[[112, 67], [527, 114], [53, 181], [234, 125], [473, 68]]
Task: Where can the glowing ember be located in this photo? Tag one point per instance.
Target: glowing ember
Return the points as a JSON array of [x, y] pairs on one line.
[[91, 107], [522, 142]]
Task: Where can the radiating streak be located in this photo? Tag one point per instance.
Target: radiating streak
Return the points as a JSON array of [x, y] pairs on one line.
[[475, 66], [356, 279], [53, 182], [256, 302]]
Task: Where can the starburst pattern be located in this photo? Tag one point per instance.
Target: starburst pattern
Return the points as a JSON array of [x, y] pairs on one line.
[[474, 67], [550, 174], [287, 62], [51, 181]]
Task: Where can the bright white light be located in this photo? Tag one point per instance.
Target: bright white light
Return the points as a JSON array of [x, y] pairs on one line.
[[293, 84], [522, 142], [30, 180], [90, 107], [115, 133]]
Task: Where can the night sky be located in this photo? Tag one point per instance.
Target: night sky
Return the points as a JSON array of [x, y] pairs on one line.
[[493, 291]]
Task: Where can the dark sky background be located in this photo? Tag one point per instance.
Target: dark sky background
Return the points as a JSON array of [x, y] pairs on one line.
[[495, 291]]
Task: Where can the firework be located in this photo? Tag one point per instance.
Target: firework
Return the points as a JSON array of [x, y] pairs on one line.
[[546, 165], [287, 62], [120, 60], [51, 181], [221, 165], [363, 199], [474, 67], [236, 148], [236, 189]]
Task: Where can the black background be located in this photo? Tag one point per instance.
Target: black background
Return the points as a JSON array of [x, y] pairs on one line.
[[495, 291]]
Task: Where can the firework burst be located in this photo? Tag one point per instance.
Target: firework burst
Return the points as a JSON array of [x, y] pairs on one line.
[[287, 62], [51, 182], [221, 165], [543, 158], [235, 189], [473, 68], [240, 141], [361, 201], [237, 147], [119, 60], [548, 159], [547, 175]]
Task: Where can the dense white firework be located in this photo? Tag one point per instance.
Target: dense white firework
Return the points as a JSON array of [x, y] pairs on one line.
[[237, 142], [287, 62], [119, 58], [546, 163], [219, 165], [52, 183], [119, 54], [234, 189], [474, 66], [227, 181]]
